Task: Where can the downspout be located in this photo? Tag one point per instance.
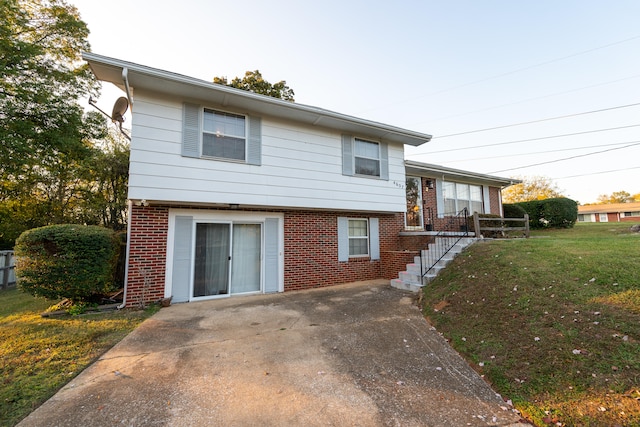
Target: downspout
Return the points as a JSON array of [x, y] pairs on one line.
[[126, 266], [125, 79]]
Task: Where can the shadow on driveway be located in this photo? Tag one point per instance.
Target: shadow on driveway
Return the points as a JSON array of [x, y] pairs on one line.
[[350, 355]]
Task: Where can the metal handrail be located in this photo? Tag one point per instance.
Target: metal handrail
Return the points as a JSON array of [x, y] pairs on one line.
[[460, 220]]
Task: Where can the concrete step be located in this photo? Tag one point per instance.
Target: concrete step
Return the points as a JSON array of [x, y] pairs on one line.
[[399, 284], [411, 278]]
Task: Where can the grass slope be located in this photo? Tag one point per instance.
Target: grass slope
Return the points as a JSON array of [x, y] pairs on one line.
[[552, 322], [40, 355]]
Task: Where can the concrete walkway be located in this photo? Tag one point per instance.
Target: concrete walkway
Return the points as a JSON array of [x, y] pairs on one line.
[[350, 355]]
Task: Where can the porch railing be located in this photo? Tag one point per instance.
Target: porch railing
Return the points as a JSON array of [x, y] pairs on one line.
[[454, 230]]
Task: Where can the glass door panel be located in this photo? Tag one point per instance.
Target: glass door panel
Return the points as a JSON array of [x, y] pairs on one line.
[[246, 258], [413, 215], [212, 257]]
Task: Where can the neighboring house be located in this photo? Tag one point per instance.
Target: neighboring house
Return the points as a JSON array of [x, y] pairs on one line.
[[234, 193], [614, 212]]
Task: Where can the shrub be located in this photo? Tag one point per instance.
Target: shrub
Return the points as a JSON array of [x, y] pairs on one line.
[[512, 210], [67, 261], [551, 213], [494, 223]]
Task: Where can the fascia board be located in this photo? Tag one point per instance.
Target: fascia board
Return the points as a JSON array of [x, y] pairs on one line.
[[110, 69]]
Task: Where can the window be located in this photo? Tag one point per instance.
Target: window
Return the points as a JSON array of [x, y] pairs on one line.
[[223, 135], [367, 158], [630, 214], [458, 196], [358, 237], [603, 217], [218, 135], [364, 158]]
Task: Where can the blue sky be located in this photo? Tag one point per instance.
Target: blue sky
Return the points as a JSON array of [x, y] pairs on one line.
[[439, 67]]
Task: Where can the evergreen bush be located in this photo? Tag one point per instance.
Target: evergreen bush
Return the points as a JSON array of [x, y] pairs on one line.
[[512, 210], [67, 261], [551, 213]]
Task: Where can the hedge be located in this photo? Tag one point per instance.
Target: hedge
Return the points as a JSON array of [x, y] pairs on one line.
[[551, 213], [67, 261]]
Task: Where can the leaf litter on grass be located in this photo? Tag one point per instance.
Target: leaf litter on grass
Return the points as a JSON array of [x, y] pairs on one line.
[[502, 295]]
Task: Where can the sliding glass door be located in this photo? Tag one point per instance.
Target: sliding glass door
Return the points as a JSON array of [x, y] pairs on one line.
[[227, 259], [212, 259], [245, 261]]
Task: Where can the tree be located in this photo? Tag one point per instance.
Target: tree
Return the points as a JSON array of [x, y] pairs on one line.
[[44, 132], [254, 82], [531, 188], [615, 197], [105, 179]]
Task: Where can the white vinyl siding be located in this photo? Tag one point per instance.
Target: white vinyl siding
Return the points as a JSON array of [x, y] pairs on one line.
[[300, 167]]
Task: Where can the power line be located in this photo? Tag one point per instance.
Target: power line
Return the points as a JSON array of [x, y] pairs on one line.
[[532, 139], [540, 64], [567, 158], [540, 152], [538, 121], [635, 76], [597, 173]]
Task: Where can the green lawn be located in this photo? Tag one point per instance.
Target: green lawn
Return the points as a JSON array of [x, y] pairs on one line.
[[39, 355], [552, 322]]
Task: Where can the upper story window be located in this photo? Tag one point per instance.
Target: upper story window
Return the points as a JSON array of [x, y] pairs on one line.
[[458, 196], [364, 158], [367, 158], [219, 135], [224, 135]]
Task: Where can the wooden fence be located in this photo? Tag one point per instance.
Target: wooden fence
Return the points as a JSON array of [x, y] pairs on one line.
[[7, 266], [506, 225]]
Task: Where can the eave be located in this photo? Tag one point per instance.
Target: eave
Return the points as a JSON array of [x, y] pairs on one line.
[[450, 174], [189, 88]]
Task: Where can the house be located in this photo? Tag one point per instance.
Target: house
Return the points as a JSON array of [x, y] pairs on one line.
[[234, 193], [614, 212]]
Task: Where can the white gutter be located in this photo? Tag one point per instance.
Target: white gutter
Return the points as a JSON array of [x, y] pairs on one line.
[[126, 267], [125, 79], [264, 104]]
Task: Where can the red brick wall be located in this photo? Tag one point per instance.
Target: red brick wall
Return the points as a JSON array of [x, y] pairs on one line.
[[394, 262], [310, 252], [147, 253], [494, 200]]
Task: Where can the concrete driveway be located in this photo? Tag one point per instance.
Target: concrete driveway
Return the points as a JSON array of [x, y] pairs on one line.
[[352, 355]]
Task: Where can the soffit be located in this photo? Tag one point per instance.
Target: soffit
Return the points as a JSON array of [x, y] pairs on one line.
[[189, 88], [449, 174]]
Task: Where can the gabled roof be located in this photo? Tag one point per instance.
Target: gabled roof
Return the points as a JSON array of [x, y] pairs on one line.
[[610, 208], [190, 88], [450, 174]]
